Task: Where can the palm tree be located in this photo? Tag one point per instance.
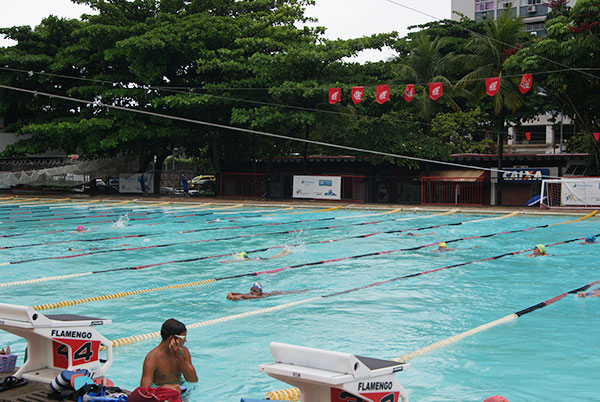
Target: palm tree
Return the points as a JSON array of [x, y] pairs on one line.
[[488, 55], [426, 62]]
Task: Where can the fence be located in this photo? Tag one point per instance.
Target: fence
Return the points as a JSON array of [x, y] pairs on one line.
[[354, 188], [246, 185], [454, 190]]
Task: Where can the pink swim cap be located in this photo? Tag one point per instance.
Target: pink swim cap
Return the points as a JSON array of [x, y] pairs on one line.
[[80, 228], [496, 398]]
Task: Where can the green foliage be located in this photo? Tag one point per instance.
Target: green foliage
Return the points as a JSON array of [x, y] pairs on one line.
[[572, 42]]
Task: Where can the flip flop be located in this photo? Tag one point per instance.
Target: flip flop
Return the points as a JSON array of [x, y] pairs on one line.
[[81, 381], [11, 382]]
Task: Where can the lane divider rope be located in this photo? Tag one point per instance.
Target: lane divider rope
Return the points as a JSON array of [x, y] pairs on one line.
[[143, 337], [293, 394], [476, 330], [198, 283]]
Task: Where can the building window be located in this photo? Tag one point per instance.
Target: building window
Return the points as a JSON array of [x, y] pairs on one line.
[[534, 26], [502, 4], [530, 2], [484, 5]]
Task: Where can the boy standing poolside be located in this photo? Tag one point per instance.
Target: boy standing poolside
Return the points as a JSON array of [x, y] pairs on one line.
[[165, 363]]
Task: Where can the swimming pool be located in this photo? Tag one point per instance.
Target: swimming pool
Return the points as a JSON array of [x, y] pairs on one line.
[[550, 354]]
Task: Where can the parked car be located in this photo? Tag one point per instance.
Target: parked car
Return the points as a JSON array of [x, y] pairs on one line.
[[203, 184]]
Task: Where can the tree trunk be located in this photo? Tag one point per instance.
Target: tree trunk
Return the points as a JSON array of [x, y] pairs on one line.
[[160, 159], [501, 136]]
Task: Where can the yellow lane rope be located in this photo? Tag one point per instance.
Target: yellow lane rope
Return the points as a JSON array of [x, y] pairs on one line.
[[393, 211], [455, 338], [119, 295], [452, 211], [227, 207], [45, 279], [74, 204], [139, 338], [6, 198], [293, 394], [194, 206], [288, 394], [495, 218], [577, 220], [305, 212], [17, 201], [260, 210], [42, 202]]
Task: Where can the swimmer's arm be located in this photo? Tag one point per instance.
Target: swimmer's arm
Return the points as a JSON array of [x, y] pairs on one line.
[[187, 368], [148, 372], [234, 296]]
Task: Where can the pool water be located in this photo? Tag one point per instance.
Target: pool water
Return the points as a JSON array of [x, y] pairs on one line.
[[551, 354]]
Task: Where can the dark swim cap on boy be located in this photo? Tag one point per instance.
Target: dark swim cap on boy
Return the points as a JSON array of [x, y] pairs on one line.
[[172, 327]]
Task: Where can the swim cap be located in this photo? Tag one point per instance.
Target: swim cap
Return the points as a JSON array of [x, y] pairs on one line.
[[80, 228], [496, 398], [243, 255], [256, 285], [541, 247], [443, 245], [591, 239]]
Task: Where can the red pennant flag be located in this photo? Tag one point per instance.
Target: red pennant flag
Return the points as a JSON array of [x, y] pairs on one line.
[[335, 95], [357, 94], [528, 136], [492, 85], [409, 92], [596, 136], [383, 93], [436, 90], [526, 83]]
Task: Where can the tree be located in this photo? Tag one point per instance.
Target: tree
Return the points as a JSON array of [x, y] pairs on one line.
[[488, 54], [426, 62], [572, 45], [227, 62]]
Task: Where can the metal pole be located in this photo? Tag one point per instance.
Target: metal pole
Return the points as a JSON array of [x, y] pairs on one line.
[[561, 133]]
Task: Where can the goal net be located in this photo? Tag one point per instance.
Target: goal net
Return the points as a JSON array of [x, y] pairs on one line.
[[570, 193]]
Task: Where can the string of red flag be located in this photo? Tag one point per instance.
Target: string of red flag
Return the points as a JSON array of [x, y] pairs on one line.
[[436, 90]]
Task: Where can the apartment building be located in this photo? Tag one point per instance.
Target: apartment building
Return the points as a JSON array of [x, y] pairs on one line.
[[533, 12], [548, 133]]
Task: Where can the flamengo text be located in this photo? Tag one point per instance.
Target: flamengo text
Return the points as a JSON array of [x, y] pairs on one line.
[[72, 334]]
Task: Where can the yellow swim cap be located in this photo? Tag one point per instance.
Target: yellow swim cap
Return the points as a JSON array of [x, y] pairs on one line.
[[541, 247], [443, 245]]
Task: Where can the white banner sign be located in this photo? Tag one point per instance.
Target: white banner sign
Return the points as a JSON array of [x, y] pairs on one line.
[[321, 187], [580, 193], [136, 183]]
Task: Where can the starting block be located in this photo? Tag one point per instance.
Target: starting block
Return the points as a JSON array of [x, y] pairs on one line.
[[56, 342], [326, 376]]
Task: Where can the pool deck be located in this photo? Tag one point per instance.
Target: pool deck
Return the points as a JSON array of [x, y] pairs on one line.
[[304, 203], [33, 391]]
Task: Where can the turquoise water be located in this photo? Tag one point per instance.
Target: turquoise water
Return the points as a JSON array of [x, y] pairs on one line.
[[550, 354]]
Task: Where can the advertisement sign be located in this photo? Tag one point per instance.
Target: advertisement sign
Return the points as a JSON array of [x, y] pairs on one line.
[[136, 183], [321, 187], [525, 174], [580, 193]]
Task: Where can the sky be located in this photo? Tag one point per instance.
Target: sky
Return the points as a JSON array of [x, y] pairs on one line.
[[343, 19]]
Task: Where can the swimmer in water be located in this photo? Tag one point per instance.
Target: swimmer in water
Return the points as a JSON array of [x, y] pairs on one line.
[[419, 234], [589, 240], [593, 293], [243, 256], [538, 251], [94, 248], [256, 292], [443, 247]]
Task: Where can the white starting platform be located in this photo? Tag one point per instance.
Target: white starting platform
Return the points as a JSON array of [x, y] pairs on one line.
[[326, 376], [56, 342]]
